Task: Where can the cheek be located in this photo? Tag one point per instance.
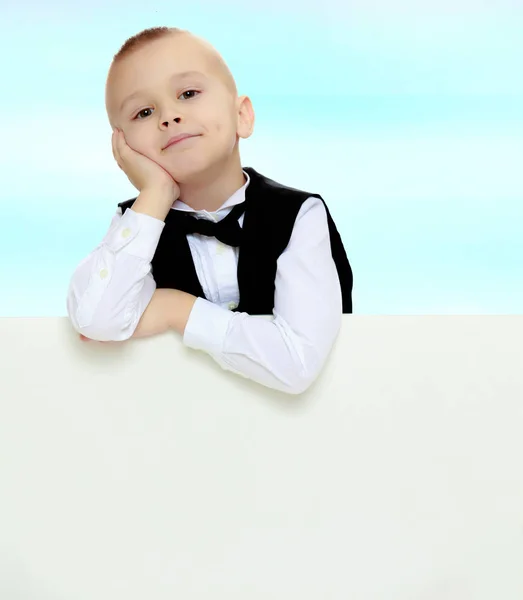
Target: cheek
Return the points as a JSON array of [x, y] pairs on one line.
[[225, 130], [139, 142]]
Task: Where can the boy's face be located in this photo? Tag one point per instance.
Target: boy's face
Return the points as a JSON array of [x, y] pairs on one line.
[[167, 103]]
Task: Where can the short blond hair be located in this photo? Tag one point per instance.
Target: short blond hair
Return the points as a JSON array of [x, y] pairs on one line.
[[143, 38], [146, 36]]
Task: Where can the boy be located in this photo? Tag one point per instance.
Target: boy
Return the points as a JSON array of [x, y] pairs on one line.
[[207, 246]]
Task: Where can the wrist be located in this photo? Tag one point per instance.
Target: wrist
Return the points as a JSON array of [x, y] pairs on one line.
[[155, 202], [180, 305]]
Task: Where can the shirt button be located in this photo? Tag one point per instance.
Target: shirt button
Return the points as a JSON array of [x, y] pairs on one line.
[[104, 273], [232, 305], [126, 232], [220, 248]]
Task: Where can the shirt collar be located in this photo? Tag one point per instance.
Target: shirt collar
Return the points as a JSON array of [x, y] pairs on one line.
[[237, 198]]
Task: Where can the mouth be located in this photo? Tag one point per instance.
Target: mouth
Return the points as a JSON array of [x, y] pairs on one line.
[[179, 139]]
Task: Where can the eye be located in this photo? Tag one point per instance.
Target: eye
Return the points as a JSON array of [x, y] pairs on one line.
[[189, 91], [143, 110]]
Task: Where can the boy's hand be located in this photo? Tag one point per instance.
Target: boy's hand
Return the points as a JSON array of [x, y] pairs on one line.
[[143, 172]]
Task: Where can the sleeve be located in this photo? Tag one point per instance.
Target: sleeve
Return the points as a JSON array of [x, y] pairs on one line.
[[111, 288], [288, 351]]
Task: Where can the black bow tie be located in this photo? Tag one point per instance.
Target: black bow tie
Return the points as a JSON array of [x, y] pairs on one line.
[[228, 230]]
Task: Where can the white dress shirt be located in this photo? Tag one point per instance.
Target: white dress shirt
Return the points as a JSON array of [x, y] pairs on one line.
[[111, 288]]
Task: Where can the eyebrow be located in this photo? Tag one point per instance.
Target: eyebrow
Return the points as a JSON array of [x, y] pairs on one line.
[[175, 76]]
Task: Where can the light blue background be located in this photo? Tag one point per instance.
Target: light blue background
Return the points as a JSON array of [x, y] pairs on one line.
[[407, 119]]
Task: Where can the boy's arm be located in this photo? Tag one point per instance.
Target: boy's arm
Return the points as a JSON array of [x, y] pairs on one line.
[[168, 309], [112, 287], [286, 352]]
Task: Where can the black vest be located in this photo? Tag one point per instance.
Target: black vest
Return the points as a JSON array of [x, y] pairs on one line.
[[270, 213]]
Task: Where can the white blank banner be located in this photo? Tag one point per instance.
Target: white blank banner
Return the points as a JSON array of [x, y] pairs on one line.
[[142, 470]]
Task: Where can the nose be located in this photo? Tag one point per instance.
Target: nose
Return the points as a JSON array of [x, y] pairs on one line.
[[169, 112], [176, 120]]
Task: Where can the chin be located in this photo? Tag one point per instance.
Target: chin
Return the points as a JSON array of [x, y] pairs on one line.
[[186, 173]]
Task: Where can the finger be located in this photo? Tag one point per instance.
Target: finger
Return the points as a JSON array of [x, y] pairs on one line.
[[116, 151], [113, 144], [121, 143], [121, 146]]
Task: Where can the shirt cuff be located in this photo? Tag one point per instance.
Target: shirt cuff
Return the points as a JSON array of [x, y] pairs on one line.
[[138, 233], [207, 327]]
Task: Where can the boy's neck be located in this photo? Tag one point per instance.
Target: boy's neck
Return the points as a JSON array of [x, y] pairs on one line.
[[210, 193]]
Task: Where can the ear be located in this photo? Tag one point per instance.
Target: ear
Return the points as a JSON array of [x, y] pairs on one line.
[[246, 117]]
